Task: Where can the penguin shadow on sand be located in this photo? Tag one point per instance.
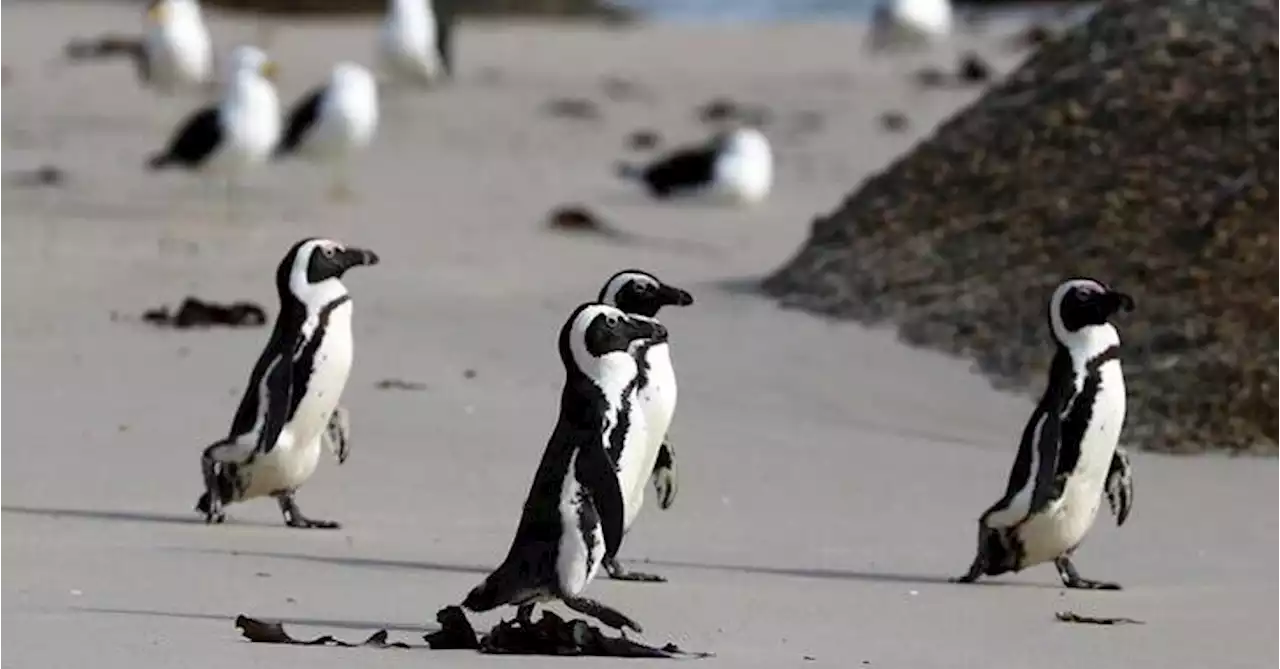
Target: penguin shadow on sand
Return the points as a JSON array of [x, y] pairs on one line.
[[352, 561], [359, 625], [121, 516], [835, 574]]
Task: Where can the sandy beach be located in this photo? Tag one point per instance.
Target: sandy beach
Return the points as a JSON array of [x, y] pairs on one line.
[[831, 477]]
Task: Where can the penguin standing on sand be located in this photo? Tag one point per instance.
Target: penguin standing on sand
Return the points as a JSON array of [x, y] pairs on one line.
[[1069, 455], [290, 406], [734, 166], [638, 292], [574, 514]]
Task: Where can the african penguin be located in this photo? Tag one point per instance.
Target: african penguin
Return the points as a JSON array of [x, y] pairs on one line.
[[416, 42], [333, 122], [1069, 455], [637, 292], [290, 405], [574, 514], [735, 165]]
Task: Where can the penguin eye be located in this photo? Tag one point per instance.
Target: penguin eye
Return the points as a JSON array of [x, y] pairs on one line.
[[611, 321], [328, 251], [645, 287]]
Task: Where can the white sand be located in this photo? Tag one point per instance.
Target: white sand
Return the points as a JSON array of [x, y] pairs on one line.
[[831, 477]]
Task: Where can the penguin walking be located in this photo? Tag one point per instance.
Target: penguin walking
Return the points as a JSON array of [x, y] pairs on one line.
[[290, 406], [641, 293], [734, 166], [1069, 456], [574, 514]]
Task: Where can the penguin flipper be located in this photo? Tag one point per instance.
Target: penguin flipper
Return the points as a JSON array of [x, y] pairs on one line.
[[337, 435], [1047, 486], [596, 473], [279, 401], [1120, 485], [665, 484]]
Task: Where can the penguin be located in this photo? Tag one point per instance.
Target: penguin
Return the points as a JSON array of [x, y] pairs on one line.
[[416, 42], [1069, 456], [290, 406], [641, 293], [574, 514], [333, 122], [733, 166]]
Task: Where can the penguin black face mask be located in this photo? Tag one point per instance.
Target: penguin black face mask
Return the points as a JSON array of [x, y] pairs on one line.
[[610, 333], [642, 293], [1091, 304], [328, 262]]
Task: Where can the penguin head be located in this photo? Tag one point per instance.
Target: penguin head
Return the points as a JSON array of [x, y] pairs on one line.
[[601, 340], [1079, 304], [638, 292], [312, 270]]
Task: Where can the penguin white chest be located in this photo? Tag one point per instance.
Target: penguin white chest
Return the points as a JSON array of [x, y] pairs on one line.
[[581, 546], [329, 370], [1064, 524], [656, 404]]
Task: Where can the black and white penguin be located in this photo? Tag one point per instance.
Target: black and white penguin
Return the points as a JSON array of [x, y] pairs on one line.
[[416, 42], [333, 122], [735, 165], [574, 515], [638, 292], [1069, 456], [290, 406]]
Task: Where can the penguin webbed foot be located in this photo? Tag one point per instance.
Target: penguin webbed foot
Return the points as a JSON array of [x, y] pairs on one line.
[[611, 617], [210, 502], [293, 516], [1072, 578], [619, 573]]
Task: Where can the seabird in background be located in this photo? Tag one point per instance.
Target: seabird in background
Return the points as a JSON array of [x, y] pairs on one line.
[[333, 122], [734, 165], [909, 23], [174, 54], [416, 42], [237, 134]]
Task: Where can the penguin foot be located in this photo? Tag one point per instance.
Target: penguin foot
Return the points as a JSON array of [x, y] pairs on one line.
[[293, 516], [604, 614], [1072, 578], [619, 573]]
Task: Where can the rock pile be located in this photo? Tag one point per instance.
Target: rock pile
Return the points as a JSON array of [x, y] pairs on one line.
[[1139, 148]]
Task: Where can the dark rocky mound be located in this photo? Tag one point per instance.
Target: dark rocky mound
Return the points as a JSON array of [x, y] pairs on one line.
[[1139, 148]]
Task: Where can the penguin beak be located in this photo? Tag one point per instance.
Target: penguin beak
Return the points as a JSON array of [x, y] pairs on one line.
[[355, 257], [670, 295], [644, 328], [1117, 301]]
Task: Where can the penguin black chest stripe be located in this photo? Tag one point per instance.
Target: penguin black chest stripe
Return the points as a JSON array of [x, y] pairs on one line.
[[1080, 412], [618, 437], [304, 363]]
